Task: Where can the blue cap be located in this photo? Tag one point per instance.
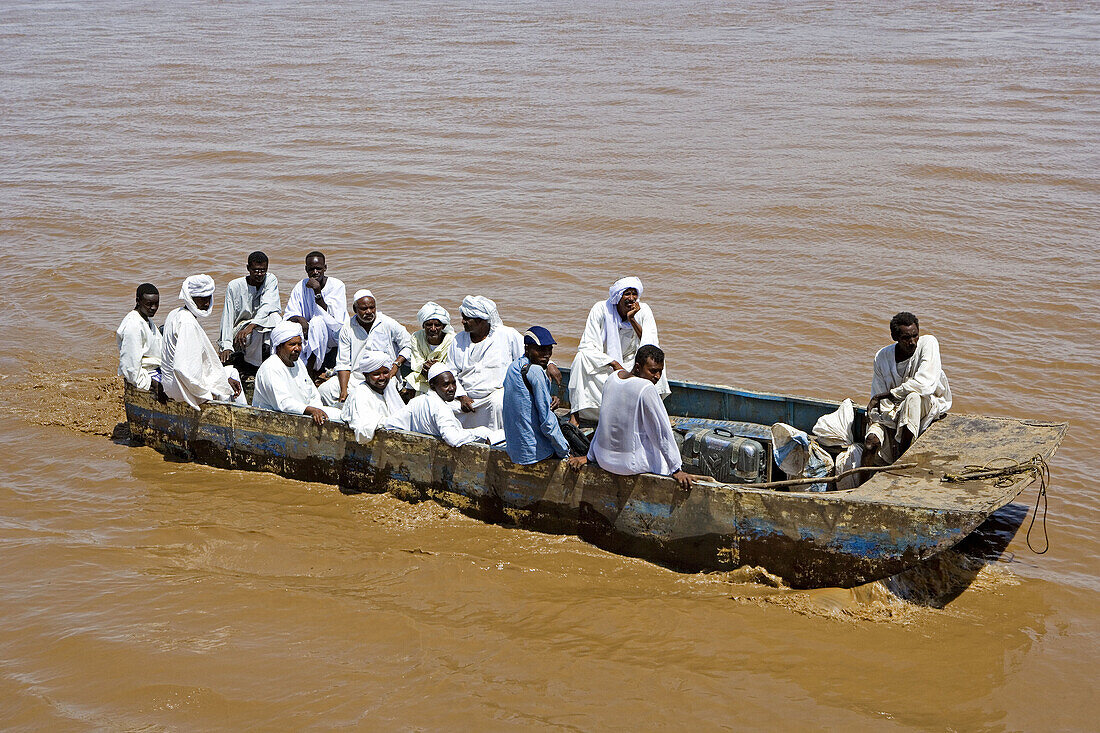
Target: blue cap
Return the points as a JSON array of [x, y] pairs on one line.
[[538, 336]]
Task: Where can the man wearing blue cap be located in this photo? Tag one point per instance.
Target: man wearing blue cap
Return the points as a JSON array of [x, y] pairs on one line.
[[531, 428]]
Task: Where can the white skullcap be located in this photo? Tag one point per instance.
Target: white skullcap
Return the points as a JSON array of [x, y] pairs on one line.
[[372, 361], [439, 368], [364, 293], [285, 331], [432, 310], [615, 292], [197, 286], [478, 306]]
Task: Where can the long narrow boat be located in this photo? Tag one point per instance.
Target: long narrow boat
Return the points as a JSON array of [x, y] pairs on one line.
[[837, 538]]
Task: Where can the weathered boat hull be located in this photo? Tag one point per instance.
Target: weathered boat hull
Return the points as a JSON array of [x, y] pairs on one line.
[[835, 538]]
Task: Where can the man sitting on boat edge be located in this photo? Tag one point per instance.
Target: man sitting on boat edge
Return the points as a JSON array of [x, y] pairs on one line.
[[319, 305], [140, 344], [283, 383], [909, 391], [634, 434], [479, 358], [431, 413], [371, 402], [531, 428]]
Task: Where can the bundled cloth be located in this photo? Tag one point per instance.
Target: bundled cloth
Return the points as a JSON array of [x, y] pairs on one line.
[[798, 456], [837, 429]]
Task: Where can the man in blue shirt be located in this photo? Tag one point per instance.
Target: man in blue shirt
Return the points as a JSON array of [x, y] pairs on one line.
[[531, 428]]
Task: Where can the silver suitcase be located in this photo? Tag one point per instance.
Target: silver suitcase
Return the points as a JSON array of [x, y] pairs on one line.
[[718, 452]]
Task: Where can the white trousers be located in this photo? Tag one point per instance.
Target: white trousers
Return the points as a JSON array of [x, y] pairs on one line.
[[488, 412], [330, 388], [322, 337]]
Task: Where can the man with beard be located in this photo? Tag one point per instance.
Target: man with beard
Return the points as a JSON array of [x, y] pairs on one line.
[[369, 330], [480, 357], [282, 382], [375, 399]]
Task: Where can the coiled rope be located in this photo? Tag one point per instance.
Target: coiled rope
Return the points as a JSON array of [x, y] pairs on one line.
[[1005, 476]]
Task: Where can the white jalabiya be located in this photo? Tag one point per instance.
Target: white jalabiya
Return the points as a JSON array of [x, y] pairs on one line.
[[386, 336], [191, 371], [634, 434], [140, 349], [365, 409], [422, 352], [592, 364], [324, 324], [918, 387], [246, 304], [480, 369], [430, 415], [285, 388]]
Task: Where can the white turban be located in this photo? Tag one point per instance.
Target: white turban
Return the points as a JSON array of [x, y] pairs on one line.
[[364, 293], [439, 368], [477, 306], [197, 286], [372, 361], [615, 292], [285, 331], [432, 310]]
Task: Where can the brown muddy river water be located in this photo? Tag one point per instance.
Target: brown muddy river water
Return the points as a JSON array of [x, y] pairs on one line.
[[783, 177]]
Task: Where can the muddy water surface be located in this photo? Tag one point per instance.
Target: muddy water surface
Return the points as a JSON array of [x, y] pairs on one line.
[[783, 179]]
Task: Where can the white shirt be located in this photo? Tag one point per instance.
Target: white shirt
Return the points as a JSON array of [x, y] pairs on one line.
[[284, 389], [480, 368], [386, 335], [430, 415], [922, 373], [191, 371], [594, 341], [245, 304], [140, 349], [364, 409], [302, 302], [634, 434]]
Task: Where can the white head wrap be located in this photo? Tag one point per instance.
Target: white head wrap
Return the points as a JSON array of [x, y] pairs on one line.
[[364, 293], [432, 310], [478, 306], [197, 286], [372, 361], [283, 332], [611, 319], [439, 368]]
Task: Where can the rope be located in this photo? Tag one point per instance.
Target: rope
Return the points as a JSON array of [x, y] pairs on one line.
[[829, 479], [1005, 476]]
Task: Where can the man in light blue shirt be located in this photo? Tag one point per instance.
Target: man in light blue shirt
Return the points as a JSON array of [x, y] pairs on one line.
[[531, 428]]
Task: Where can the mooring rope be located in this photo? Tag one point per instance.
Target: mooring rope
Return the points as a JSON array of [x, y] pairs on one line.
[[1004, 477]]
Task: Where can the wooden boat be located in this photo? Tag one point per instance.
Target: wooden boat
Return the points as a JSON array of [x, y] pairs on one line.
[[837, 538]]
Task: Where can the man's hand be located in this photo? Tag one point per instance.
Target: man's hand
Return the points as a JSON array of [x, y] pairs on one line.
[[226, 355], [466, 402], [555, 402], [236, 387], [241, 339], [318, 415], [314, 284], [343, 393], [683, 478], [576, 463], [428, 364], [633, 310], [554, 373], [303, 323], [394, 370], [873, 403]]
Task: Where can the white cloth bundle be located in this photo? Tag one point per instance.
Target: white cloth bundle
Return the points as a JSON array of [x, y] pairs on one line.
[[837, 428]]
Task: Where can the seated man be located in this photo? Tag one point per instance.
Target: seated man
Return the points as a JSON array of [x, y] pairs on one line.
[[480, 357], [376, 399], [251, 309], [909, 391], [531, 428], [429, 344], [140, 345], [634, 435], [431, 414], [318, 304], [616, 327], [369, 330], [282, 382], [191, 371]]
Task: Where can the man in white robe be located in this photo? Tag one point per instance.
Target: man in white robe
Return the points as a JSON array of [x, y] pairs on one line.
[[282, 382], [191, 371], [429, 345], [634, 434], [431, 413], [140, 344], [909, 391], [375, 399], [251, 309], [319, 305], [480, 357], [368, 330], [615, 330]]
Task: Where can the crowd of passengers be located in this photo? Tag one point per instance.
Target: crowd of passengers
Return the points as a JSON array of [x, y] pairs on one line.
[[487, 383]]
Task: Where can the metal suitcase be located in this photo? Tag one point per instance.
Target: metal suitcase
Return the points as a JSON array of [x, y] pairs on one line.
[[719, 453]]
